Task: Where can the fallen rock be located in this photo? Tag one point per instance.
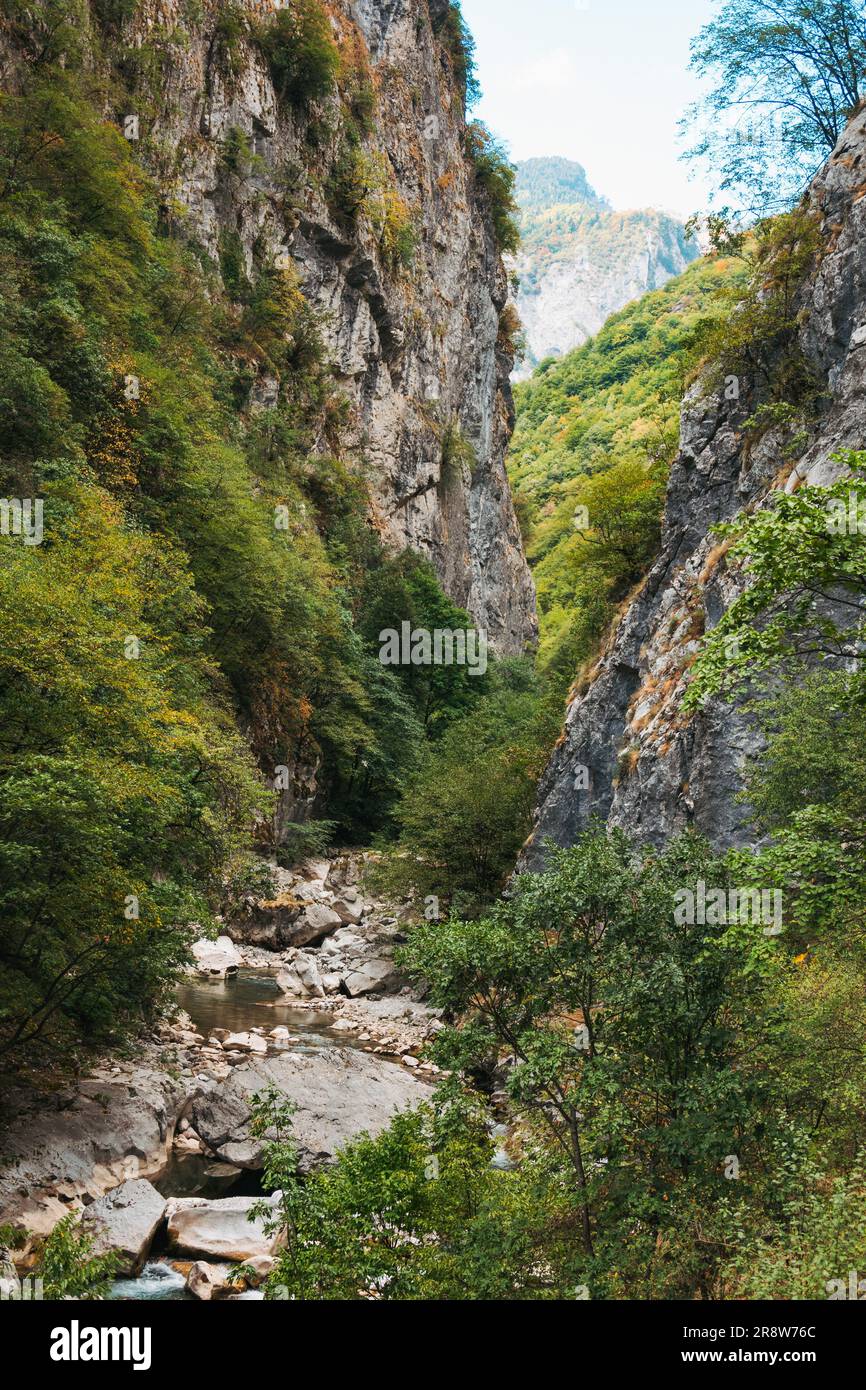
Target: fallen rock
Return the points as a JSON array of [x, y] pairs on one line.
[[348, 910], [318, 921], [219, 957], [219, 1227], [379, 973], [205, 1280], [126, 1220]]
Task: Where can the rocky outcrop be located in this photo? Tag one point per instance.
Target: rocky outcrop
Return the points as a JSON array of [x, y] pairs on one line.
[[628, 754], [416, 348], [330, 937], [337, 1093], [113, 1127], [125, 1221]]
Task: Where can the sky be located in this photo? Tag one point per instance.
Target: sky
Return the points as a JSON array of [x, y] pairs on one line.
[[600, 81]]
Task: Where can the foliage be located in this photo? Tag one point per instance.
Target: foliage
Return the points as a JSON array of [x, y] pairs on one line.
[[206, 565], [416, 1213], [612, 404], [303, 58], [787, 74], [464, 816], [757, 340], [454, 34], [805, 567], [496, 176], [68, 1267], [544, 183]]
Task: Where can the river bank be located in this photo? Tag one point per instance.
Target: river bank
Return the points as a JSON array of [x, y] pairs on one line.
[[153, 1149]]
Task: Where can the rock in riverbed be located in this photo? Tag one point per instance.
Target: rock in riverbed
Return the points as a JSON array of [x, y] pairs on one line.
[[338, 1093], [218, 1228], [126, 1220], [220, 957]]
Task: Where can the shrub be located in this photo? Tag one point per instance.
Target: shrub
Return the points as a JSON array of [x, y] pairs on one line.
[[453, 33], [399, 236], [68, 1267], [303, 58], [496, 176]]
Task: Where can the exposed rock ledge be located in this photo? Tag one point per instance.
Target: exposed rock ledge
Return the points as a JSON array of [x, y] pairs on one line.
[[64, 1151]]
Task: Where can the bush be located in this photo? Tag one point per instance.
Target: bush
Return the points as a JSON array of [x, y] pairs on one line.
[[69, 1269], [303, 58], [497, 176], [454, 34], [399, 236]]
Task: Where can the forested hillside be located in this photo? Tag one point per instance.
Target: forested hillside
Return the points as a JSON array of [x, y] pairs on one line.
[[594, 439], [190, 647], [580, 260]]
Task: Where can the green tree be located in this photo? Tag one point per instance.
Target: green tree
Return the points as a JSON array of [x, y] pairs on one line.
[[68, 1267], [786, 75], [464, 816]]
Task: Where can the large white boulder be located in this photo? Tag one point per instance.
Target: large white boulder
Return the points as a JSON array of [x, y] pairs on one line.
[[220, 957], [219, 1228]]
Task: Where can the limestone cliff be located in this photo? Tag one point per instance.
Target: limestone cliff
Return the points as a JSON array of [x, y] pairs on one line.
[[628, 754], [416, 347]]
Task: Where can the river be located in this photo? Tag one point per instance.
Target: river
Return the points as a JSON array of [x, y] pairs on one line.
[[251, 998]]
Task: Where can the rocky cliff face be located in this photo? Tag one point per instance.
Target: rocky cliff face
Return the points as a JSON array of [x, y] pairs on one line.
[[416, 348], [580, 261], [627, 753]]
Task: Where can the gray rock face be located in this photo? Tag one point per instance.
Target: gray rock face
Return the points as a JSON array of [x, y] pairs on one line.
[[628, 754], [602, 261], [338, 1093], [416, 350], [116, 1126], [126, 1220]]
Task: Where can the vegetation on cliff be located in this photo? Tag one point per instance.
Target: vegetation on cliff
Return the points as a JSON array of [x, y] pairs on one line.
[[204, 604]]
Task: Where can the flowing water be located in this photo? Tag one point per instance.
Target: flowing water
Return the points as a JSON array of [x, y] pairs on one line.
[[252, 998]]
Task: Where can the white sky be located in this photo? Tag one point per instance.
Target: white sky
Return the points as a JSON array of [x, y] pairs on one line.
[[600, 81]]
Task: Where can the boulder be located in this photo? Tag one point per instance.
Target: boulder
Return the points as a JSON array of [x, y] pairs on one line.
[[205, 1280], [348, 910], [307, 971], [269, 923], [126, 1220], [219, 957], [379, 973], [319, 921], [315, 870], [338, 1092], [219, 1227]]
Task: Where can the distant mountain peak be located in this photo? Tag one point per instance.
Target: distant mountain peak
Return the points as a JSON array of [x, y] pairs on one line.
[[550, 181], [580, 261]]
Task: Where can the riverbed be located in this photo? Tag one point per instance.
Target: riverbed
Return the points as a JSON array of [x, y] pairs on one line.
[[250, 998]]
